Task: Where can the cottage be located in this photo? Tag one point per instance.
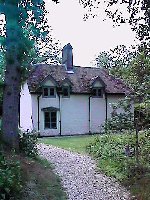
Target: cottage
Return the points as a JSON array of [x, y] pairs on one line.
[[67, 99]]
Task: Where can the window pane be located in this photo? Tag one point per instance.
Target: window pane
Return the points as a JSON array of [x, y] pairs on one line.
[[53, 125], [53, 114], [47, 125], [47, 120], [50, 119], [65, 92], [52, 92], [99, 92], [94, 92], [53, 120], [45, 92]]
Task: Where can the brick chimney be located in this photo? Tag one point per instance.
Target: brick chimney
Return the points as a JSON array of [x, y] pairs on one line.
[[67, 57]]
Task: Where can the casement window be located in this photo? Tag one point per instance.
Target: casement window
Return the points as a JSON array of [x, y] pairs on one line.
[[45, 92], [49, 92], [66, 91], [50, 120], [97, 92]]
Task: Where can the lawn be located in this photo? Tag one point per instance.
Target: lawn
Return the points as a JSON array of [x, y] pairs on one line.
[[110, 156], [109, 151], [40, 182], [72, 143]]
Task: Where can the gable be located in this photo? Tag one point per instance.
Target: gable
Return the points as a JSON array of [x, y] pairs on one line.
[[48, 83], [97, 84], [66, 84]]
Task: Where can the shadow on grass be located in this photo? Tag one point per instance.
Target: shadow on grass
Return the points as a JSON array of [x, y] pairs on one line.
[[40, 181]]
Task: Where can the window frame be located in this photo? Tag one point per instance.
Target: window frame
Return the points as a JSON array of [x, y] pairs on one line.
[[50, 120], [49, 96], [97, 96], [68, 88]]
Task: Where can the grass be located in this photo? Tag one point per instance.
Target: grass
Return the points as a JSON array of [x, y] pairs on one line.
[[73, 143], [111, 160], [140, 187], [40, 182], [35, 178]]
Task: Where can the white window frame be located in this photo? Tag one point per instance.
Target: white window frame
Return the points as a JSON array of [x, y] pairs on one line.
[[49, 96], [97, 96], [50, 122], [68, 88]]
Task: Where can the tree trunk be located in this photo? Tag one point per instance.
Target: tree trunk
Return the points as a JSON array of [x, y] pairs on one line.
[[11, 106], [11, 94], [137, 145]]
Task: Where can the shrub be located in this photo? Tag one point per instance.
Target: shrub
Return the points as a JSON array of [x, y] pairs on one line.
[[10, 178], [28, 144], [113, 159], [120, 122]]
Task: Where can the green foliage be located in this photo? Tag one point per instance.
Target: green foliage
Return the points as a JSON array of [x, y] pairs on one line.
[[10, 178], [110, 150], [71, 143], [120, 56], [135, 13], [28, 144], [133, 67], [122, 121]]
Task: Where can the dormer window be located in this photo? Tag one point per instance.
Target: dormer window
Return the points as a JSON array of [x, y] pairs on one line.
[[66, 91], [45, 92], [49, 92], [97, 92]]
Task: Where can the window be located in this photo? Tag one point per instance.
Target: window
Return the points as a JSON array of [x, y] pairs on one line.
[[97, 92], [45, 92], [49, 92], [66, 92], [50, 120]]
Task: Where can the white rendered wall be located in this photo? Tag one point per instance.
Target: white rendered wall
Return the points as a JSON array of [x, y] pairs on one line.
[[73, 111], [75, 115], [34, 111], [25, 109], [43, 103], [113, 99], [98, 113], [48, 102]]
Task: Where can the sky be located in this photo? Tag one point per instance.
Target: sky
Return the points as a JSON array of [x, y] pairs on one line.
[[88, 37]]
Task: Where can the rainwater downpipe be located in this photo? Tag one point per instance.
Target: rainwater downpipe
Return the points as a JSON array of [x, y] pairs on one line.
[[38, 97], [60, 112], [106, 101], [89, 114]]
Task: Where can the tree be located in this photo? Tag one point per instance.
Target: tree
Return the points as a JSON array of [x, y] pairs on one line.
[[25, 25], [136, 13], [117, 60], [133, 66], [119, 56]]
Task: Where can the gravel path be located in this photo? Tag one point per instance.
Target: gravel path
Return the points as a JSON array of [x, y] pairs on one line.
[[79, 176]]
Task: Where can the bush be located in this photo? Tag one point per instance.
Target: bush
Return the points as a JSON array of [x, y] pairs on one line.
[[10, 178], [110, 150], [120, 122], [28, 144]]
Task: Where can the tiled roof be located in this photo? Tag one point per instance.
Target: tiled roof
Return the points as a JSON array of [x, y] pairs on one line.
[[81, 79]]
